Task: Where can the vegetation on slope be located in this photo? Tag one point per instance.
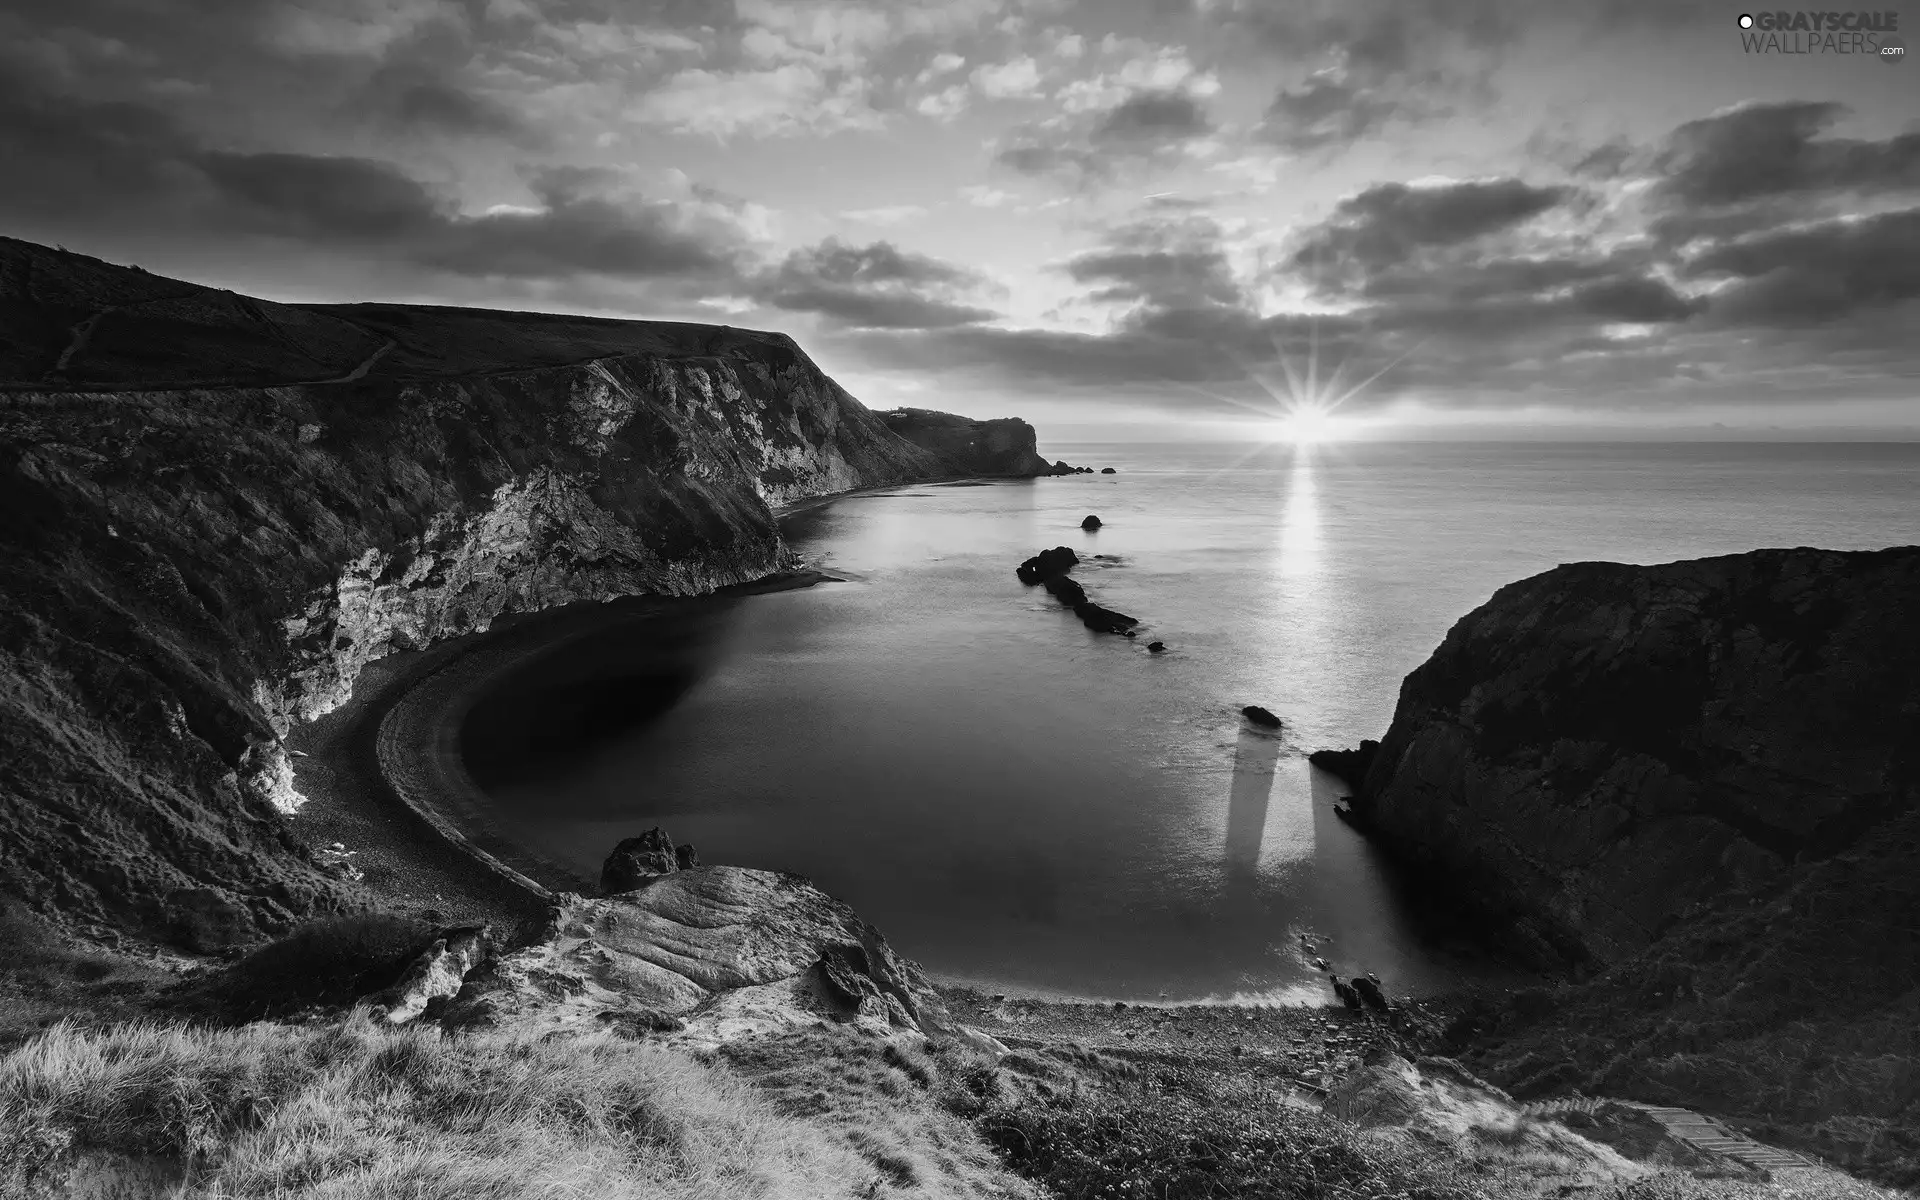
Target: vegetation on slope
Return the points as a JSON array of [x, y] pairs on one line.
[[1798, 1012]]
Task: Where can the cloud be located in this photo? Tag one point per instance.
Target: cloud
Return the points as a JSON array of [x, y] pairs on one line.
[[877, 286], [1016, 79], [1154, 116], [1759, 151], [890, 214], [1818, 274], [790, 99], [1386, 223], [1371, 62]]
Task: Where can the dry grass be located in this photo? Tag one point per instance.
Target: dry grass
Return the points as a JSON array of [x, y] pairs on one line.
[[351, 1110], [43, 980]]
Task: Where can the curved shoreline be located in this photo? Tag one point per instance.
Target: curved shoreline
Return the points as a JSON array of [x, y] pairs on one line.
[[397, 740]]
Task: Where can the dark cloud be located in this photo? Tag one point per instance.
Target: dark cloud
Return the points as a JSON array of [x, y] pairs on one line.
[[878, 286], [1145, 127], [1818, 274], [1389, 222], [132, 168], [1168, 260], [416, 102], [1381, 62], [1759, 151], [1154, 115]]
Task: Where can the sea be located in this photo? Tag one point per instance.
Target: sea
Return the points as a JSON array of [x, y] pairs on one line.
[[1024, 805]]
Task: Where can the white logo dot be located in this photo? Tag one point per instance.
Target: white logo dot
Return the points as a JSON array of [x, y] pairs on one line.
[[1746, 22]]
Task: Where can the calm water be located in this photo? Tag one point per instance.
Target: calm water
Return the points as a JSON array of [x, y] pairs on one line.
[[1018, 802]]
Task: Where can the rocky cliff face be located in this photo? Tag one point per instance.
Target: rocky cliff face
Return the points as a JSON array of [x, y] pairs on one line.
[[1602, 749], [215, 510], [1006, 446]]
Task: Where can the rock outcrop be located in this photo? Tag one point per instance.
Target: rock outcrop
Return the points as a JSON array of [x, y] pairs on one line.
[[1049, 568], [1005, 446], [710, 954], [639, 861], [214, 511], [1264, 718], [1348, 766], [1090, 522], [1600, 750], [1047, 564], [433, 978]]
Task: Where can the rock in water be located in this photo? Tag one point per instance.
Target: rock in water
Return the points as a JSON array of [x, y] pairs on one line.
[[1260, 716], [1156, 647], [1600, 748], [1047, 564], [1090, 522], [1348, 766], [638, 861], [1106, 470]]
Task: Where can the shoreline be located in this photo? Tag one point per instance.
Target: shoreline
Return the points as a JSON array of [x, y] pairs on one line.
[[383, 776]]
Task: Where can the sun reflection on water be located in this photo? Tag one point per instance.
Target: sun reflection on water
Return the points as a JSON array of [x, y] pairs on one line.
[[1300, 520]]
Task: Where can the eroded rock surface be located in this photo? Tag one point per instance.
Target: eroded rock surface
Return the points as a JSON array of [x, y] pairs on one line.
[[711, 953], [214, 511], [1601, 748]]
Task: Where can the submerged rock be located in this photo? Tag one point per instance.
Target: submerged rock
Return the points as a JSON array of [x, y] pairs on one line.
[[1260, 716]]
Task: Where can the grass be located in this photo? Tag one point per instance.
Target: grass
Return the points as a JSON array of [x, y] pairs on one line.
[[351, 1110], [44, 981], [326, 963], [1797, 1015]]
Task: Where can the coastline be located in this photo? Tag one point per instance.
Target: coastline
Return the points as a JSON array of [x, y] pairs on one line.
[[383, 775]]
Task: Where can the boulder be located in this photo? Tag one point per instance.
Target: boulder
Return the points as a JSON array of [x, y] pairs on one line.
[[1090, 522], [1046, 564], [435, 977], [1156, 647], [1106, 470], [639, 861], [1260, 716], [685, 856], [1368, 989]]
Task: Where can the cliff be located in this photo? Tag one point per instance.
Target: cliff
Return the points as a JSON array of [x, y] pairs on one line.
[[1005, 446], [1602, 751], [215, 510]]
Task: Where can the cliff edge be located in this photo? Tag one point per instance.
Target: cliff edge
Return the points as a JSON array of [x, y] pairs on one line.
[[215, 510], [1601, 749], [1004, 446]]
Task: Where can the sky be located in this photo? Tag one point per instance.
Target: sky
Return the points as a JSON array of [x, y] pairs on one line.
[[1133, 219]]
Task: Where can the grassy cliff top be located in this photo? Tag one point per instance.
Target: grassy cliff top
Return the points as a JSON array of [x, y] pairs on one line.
[[73, 323]]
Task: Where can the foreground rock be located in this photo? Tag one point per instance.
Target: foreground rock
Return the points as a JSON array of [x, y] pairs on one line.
[[1599, 750], [215, 511], [433, 978], [711, 954], [1005, 446]]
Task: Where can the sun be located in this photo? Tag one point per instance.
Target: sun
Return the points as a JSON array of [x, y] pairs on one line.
[[1306, 424]]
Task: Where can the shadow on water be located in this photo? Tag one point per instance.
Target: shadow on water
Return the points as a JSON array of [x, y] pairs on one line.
[[573, 701], [1254, 758]]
